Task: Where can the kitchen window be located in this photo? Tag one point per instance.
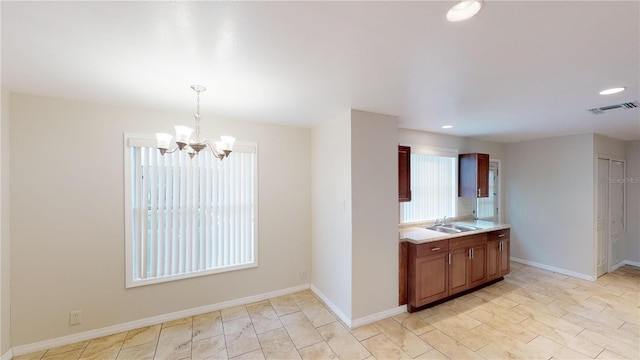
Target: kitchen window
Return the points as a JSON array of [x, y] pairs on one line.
[[188, 217], [433, 186]]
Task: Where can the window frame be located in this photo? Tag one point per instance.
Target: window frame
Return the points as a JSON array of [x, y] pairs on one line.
[[434, 151], [145, 140]]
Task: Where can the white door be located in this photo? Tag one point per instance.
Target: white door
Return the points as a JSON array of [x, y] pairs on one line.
[[602, 217], [489, 208], [616, 211]]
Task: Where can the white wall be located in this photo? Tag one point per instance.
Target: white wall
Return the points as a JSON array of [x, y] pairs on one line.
[[374, 189], [633, 200], [67, 221], [331, 211], [549, 201], [609, 147], [5, 241]]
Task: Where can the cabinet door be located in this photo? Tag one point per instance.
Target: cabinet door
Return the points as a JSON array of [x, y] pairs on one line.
[[494, 259], [458, 270], [478, 265], [404, 173], [473, 175], [505, 257], [431, 278]]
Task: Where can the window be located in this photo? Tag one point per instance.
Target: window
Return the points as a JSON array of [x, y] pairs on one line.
[[433, 186], [188, 217], [487, 208]]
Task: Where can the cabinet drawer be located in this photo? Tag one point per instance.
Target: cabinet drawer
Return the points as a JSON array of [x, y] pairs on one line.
[[467, 241], [431, 248], [503, 234]]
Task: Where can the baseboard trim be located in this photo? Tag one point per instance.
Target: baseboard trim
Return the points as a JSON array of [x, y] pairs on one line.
[[345, 319], [378, 316], [114, 329], [554, 269], [8, 355], [352, 324], [632, 263]]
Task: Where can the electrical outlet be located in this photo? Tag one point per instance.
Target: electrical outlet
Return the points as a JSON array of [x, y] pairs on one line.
[[75, 317], [303, 275]]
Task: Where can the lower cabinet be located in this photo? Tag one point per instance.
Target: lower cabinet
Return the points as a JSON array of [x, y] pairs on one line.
[[440, 269], [498, 254]]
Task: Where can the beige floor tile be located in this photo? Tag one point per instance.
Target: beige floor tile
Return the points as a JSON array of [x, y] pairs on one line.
[[31, 356], [499, 311], [104, 348], [263, 317], [284, 305], [234, 313], [240, 336], [277, 345], [365, 332], [207, 325], [462, 320], [66, 348], [402, 337], [554, 322], [316, 312], [584, 347], [301, 330], [566, 353], [414, 323], [174, 342], [343, 344], [610, 355], [303, 296], [383, 348], [138, 352], [252, 355], [631, 351], [69, 355], [433, 354], [448, 346], [319, 351], [181, 321], [545, 346], [211, 348], [148, 334], [470, 339], [514, 330]]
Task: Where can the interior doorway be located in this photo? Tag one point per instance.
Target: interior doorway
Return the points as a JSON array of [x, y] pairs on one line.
[[610, 214], [489, 208]]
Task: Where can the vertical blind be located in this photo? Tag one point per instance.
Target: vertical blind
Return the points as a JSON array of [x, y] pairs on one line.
[[191, 215], [433, 188]]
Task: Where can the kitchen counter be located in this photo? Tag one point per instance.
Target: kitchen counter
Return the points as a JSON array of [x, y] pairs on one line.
[[420, 235]]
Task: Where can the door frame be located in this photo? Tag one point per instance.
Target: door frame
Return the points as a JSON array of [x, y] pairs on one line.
[[610, 266]]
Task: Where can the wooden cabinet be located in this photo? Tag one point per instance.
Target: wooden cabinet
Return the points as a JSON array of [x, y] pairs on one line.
[[428, 272], [473, 175], [441, 269], [498, 251], [404, 173], [468, 267]]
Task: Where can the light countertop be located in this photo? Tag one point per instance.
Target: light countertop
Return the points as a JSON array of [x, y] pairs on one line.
[[419, 235]]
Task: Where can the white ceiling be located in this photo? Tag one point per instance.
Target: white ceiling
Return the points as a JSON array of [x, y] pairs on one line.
[[517, 71]]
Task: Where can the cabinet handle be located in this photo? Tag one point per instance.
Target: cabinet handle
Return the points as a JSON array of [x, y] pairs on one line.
[[478, 192], [501, 235], [472, 253], [469, 254], [449, 258], [435, 249], [500, 245]]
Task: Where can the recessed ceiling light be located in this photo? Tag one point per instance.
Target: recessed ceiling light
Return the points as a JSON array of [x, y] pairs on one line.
[[464, 10], [612, 91], [447, 126]]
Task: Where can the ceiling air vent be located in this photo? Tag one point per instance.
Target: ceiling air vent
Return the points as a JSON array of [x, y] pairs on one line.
[[627, 105]]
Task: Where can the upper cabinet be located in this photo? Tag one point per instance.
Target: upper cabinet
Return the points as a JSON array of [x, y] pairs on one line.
[[404, 173], [473, 175]]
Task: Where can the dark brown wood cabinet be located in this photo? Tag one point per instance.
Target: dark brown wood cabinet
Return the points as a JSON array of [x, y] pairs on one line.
[[468, 267], [473, 175], [441, 269], [404, 173], [428, 272], [498, 251]]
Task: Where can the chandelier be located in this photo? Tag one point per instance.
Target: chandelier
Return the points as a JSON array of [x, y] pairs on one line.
[[220, 149]]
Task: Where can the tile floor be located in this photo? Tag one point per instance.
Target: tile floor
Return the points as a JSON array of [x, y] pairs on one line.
[[532, 314]]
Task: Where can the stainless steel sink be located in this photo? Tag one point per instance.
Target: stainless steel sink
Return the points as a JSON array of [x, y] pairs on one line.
[[451, 228]]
